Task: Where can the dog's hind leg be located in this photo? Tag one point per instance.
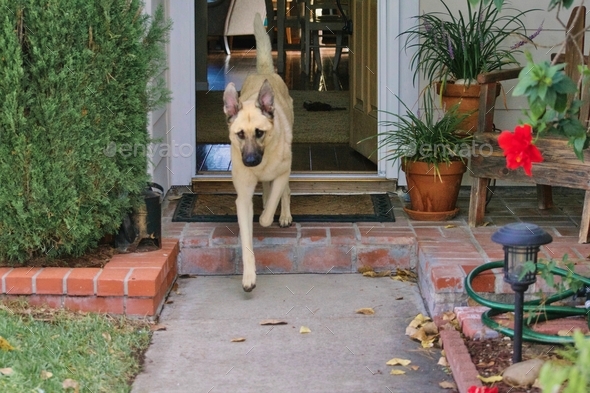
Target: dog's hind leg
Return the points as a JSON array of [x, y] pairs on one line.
[[276, 191], [285, 218], [245, 212]]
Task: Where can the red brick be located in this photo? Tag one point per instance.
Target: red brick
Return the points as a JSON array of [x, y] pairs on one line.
[[81, 282], [377, 235], [447, 277], [154, 259], [141, 306], [111, 305], [195, 241], [274, 235], [463, 369], [111, 282], [51, 281], [484, 282], [19, 281], [211, 260], [52, 301], [429, 234], [476, 330], [3, 272], [313, 236], [273, 259], [324, 259], [386, 257], [343, 236], [563, 324], [225, 235], [144, 282]]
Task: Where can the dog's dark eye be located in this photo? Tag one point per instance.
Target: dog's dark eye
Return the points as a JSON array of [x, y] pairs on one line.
[[241, 135], [259, 133]]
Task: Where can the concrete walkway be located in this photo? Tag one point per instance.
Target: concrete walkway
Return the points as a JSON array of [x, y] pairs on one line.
[[345, 351]]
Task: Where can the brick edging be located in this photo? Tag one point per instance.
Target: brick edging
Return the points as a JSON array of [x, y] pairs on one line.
[[457, 354], [132, 284]]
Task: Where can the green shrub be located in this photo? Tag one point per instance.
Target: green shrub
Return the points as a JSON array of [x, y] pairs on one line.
[[77, 82]]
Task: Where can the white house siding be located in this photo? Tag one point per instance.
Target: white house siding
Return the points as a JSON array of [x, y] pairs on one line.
[[508, 108]]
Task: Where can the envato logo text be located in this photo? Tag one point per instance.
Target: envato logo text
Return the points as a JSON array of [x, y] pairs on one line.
[[152, 150]]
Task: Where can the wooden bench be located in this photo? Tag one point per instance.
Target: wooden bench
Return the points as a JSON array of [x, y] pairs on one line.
[[560, 166]]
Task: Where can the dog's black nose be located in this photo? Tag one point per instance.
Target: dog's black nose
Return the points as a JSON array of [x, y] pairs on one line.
[[252, 159]]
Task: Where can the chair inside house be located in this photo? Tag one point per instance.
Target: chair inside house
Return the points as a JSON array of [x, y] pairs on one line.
[[323, 20], [560, 167], [239, 19]]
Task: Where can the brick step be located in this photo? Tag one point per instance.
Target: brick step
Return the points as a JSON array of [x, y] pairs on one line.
[[214, 248]]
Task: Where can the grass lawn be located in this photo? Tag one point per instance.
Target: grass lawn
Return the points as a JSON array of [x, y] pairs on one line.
[[45, 350]]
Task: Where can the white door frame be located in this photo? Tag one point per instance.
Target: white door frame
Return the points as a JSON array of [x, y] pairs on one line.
[[392, 80], [394, 75]]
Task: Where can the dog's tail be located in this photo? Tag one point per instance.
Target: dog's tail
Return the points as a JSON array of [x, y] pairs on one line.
[[264, 63]]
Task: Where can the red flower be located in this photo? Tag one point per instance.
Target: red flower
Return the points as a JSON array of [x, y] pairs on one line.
[[519, 149], [482, 389]]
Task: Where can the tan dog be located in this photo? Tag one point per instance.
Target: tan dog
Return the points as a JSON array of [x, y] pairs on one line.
[[260, 124]]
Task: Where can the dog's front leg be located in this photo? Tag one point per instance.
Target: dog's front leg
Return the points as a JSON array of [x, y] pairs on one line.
[[276, 191], [285, 218], [245, 217]]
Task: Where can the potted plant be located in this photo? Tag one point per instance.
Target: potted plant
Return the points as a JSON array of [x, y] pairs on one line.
[[433, 156], [453, 48]]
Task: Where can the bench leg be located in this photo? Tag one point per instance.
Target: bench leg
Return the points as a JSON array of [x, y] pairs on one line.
[[477, 201], [544, 196], [585, 222]]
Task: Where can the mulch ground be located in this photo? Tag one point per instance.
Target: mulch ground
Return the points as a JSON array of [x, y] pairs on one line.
[[97, 257], [491, 357]]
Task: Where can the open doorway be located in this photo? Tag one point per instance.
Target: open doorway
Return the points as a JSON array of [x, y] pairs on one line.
[[321, 139]]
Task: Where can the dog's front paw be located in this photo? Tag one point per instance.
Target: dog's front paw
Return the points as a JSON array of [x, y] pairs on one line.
[[249, 282], [285, 221], [265, 219]]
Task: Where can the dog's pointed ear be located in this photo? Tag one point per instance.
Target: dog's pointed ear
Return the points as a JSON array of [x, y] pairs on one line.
[[231, 102], [266, 99]]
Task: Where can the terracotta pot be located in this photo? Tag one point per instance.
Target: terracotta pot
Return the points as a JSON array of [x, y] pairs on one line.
[[430, 193], [468, 100]]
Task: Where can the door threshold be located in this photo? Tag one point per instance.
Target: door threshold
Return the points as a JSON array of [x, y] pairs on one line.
[[304, 183]]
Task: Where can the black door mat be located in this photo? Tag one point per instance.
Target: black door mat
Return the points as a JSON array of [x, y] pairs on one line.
[[304, 208]]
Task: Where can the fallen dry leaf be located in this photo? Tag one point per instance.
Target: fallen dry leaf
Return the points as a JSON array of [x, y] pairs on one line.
[[420, 335], [447, 385], [304, 329], [365, 311], [362, 269], [70, 384], [490, 379], [238, 340], [428, 343], [399, 298], [6, 371], [415, 368], [397, 372], [450, 226], [156, 327], [405, 275], [410, 331], [372, 273], [442, 361], [430, 328], [5, 345], [273, 322], [449, 316], [46, 374], [398, 361]]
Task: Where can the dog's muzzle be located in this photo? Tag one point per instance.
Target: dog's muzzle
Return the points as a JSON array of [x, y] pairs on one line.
[[252, 159]]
